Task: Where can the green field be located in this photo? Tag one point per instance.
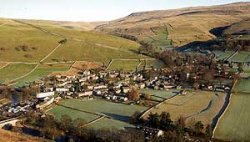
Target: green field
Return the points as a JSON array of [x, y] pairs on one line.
[[160, 39], [243, 86], [155, 64], [88, 51], [220, 55], [42, 71], [128, 65], [199, 105], [13, 35], [246, 69], [21, 42], [159, 95], [109, 124], [131, 65], [242, 56], [119, 113], [59, 111], [13, 71], [234, 125]]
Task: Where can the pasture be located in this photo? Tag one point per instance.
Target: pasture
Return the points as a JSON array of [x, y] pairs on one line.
[[109, 124], [220, 55], [42, 71], [22, 43], [242, 86], [124, 65], [234, 125], [131, 65], [198, 105], [159, 39], [242, 56], [59, 111], [119, 113], [159, 95], [13, 71], [88, 51]]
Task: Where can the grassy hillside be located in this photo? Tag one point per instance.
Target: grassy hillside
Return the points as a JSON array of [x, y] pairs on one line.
[[184, 25], [24, 44], [13, 71], [239, 28]]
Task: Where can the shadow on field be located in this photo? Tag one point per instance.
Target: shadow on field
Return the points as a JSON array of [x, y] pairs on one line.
[[117, 116]]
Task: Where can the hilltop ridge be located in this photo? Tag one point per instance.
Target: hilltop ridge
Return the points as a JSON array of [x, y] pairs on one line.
[[184, 25]]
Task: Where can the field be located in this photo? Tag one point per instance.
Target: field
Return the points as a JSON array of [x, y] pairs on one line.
[[28, 42], [124, 65], [197, 105], [242, 56], [242, 86], [159, 39], [59, 111], [220, 55], [21, 43], [119, 113], [42, 71], [234, 125], [155, 64], [109, 124], [131, 65], [159, 95], [13, 71]]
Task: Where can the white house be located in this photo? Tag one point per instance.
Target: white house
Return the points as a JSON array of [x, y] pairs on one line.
[[85, 94], [62, 89], [44, 95]]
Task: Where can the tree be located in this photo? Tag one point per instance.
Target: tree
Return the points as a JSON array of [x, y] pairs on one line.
[[147, 96], [208, 76], [196, 85], [50, 127], [180, 124], [165, 121], [135, 117], [209, 132], [133, 95], [66, 123], [198, 126], [153, 120], [79, 123]]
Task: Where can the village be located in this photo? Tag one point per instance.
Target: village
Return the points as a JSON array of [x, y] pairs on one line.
[[115, 86]]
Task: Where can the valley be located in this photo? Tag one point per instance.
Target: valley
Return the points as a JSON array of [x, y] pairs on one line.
[[163, 75]]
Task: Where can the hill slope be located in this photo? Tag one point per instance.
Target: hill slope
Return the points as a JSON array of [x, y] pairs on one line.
[[27, 44], [184, 25], [6, 136]]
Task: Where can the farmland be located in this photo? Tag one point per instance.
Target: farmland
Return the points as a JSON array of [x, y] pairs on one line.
[[242, 56], [198, 105], [160, 38], [159, 95], [131, 65], [125, 65], [109, 124], [242, 86], [29, 44], [19, 46], [119, 113], [13, 71], [234, 125], [220, 55], [42, 71]]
